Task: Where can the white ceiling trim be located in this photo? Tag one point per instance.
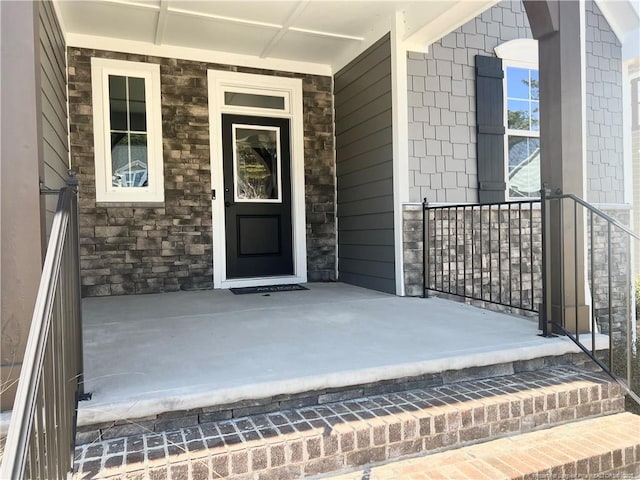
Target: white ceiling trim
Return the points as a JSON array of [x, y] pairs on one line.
[[621, 15], [212, 16], [56, 9], [320, 33], [195, 54], [376, 32], [161, 26], [295, 13], [455, 16], [126, 3]]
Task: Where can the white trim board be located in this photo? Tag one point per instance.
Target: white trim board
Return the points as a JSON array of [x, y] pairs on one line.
[[101, 68], [400, 127], [194, 54], [291, 88]]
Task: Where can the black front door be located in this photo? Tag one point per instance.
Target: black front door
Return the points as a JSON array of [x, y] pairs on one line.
[[257, 196]]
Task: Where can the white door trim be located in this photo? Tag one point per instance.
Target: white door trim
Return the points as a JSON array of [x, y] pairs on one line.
[[291, 90]]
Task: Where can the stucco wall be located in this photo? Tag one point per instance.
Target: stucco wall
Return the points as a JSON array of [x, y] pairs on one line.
[[441, 99], [133, 248]]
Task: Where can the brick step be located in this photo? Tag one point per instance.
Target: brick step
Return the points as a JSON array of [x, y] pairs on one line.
[[312, 440], [604, 447], [125, 425]]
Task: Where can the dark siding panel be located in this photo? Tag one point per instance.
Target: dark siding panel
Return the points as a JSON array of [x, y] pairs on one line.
[[360, 67], [369, 145], [366, 175], [366, 252], [372, 267], [380, 238], [364, 166], [378, 73], [358, 163], [374, 283], [489, 113], [368, 190], [360, 98], [354, 128], [53, 89], [374, 221], [368, 206]]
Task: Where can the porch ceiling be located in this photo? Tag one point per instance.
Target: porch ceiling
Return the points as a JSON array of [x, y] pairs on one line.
[[320, 32]]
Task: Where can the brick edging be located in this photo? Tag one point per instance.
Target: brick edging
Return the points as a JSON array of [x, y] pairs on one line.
[[186, 418]]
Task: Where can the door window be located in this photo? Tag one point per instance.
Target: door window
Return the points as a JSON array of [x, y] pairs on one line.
[[256, 163]]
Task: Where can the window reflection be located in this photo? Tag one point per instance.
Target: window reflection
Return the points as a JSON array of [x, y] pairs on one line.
[[128, 126], [257, 168]]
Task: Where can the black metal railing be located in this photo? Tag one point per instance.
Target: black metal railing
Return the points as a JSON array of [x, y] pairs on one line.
[[607, 268], [485, 252], [40, 440], [498, 254]]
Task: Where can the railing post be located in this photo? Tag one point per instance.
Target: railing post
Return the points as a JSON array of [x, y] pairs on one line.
[[425, 248], [544, 319], [72, 182]]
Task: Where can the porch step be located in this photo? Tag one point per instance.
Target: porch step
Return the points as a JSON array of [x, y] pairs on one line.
[[313, 440], [605, 447]]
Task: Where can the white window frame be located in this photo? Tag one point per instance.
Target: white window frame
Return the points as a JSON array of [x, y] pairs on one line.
[[518, 53], [101, 68]]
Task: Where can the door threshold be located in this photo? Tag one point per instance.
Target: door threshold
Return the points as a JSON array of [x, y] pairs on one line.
[[261, 281]]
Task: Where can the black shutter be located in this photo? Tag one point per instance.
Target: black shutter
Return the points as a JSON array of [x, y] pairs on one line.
[[490, 121]]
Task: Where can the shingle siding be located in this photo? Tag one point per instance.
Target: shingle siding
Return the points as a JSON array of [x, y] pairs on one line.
[[442, 105], [441, 99], [605, 171]]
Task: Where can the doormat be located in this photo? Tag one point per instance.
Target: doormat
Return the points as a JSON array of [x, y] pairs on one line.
[[268, 289]]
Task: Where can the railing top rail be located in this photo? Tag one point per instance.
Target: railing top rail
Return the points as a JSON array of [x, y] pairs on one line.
[[529, 201], [597, 211], [16, 443]]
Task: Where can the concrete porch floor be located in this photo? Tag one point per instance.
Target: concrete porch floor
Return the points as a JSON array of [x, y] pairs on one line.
[[149, 354]]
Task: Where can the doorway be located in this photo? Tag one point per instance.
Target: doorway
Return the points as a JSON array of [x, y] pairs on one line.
[[257, 180], [257, 196]]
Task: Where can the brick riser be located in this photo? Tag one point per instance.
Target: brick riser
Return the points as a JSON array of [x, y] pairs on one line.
[[175, 420], [332, 437], [604, 447]]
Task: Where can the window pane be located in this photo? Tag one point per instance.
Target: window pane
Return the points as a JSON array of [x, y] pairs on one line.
[[119, 157], [524, 166], [534, 85], [251, 100], [518, 115], [137, 106], [517, 83], [118, 102], [535, 116], [257, 159], [129, 160]]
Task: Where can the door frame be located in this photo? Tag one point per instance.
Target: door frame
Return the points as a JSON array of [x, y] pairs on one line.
[[290, 89]]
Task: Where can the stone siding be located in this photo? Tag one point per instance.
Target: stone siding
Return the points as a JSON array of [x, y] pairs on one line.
[[455, 265], [441, 100], [137, 248]]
